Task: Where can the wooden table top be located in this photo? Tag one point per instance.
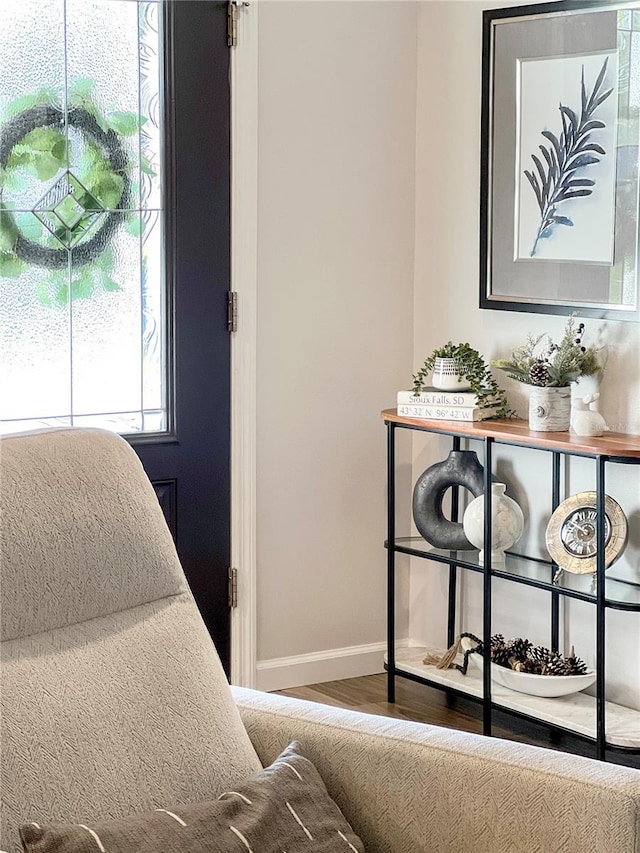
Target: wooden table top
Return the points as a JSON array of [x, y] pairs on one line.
[[517, 431]]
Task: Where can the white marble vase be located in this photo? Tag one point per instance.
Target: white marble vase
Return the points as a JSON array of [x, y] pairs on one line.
[[507, 523]]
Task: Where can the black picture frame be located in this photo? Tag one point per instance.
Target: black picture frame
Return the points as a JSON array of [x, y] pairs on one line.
[[591, 33]]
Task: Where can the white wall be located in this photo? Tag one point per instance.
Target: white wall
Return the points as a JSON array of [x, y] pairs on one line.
[[358, 101], [445, 307], [336, 138]]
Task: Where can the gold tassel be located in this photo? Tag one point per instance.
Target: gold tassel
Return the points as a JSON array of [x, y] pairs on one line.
[[447, 661]]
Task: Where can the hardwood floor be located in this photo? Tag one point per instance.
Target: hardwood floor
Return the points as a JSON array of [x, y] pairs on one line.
[[426, 705]]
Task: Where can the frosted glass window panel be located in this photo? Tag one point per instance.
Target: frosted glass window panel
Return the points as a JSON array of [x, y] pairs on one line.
[[35, 352], [98, 32], [8, 427], [32, 52], [155, 421], [122, 422], [153, 311], [81, 226], [32, 74], [150, 108], [106, 329]]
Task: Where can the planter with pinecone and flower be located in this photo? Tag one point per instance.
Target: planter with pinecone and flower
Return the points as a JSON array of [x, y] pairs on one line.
[[549, 369]]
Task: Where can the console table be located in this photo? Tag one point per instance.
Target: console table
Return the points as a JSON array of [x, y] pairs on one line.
[[611, 728]]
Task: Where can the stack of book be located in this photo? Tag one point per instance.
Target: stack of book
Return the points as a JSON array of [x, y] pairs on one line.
[[436, 405]]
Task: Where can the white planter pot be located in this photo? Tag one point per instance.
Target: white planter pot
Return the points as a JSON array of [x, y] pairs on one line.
[[445, 376], [549, 409]]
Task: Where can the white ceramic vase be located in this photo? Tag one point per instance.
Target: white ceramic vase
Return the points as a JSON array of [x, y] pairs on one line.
[[507, 523], [445, 375], [549, 409]]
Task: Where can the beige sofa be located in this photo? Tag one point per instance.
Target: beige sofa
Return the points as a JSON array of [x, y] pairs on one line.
[[113, 698]]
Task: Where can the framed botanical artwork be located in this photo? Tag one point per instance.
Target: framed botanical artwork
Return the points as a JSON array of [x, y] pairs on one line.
[[560, 187]]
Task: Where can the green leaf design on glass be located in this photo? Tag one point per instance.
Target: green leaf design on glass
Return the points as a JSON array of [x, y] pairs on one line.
[[132, 225], [54, 290], [106, 282], [11, 180], [43, 291], [8, 230], [125, 123], [43, 153], [25, 102], [107, 187], [80, 94], [62, 296], [146, 167], [107, 260], [80, 89], [82, 285], [10, 265]]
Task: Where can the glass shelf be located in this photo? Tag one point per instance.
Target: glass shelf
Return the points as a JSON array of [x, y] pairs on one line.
[[531, 571]]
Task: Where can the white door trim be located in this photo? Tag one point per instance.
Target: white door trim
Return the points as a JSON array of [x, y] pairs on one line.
[[244, 274]]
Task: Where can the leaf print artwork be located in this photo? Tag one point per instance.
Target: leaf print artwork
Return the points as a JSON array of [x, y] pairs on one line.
[[561, 172]]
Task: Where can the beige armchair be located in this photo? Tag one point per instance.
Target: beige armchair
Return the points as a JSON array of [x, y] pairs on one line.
[[113, 698]]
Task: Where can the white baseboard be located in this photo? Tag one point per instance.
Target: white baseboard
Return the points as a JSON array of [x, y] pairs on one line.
[[314, 668]]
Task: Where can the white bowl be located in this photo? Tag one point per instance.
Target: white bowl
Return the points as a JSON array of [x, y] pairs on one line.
[[534, 685]]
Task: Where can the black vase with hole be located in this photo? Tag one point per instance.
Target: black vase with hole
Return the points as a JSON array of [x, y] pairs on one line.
[[460, 468]]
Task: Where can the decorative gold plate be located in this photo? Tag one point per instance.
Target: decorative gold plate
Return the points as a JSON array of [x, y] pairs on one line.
[[571, 533]]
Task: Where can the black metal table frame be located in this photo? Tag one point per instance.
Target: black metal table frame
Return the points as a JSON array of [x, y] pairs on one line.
[[488, 572]]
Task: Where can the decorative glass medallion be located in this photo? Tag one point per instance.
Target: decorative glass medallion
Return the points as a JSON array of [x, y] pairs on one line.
[[69, 211]]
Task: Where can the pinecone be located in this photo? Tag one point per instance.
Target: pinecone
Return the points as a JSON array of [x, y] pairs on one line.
[[545, 662], [537, 660], [574, 665], [555, 665], [539, 373], [520, 654], [519, 648], [500, 652], [540, 654]]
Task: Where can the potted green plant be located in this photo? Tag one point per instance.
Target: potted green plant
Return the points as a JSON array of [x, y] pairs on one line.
[[550, 369], [457, 367]]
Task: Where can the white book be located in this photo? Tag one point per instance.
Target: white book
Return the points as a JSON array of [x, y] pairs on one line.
[[436, 397], [445, 413]]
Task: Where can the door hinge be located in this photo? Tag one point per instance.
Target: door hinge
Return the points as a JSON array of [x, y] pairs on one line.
[[232, 311], [232, 22], [233, 588]]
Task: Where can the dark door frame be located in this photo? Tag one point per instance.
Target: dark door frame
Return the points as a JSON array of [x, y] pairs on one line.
[[191, 463]]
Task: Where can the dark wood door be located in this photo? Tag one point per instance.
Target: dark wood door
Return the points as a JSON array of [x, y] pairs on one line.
[[190, 467]]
